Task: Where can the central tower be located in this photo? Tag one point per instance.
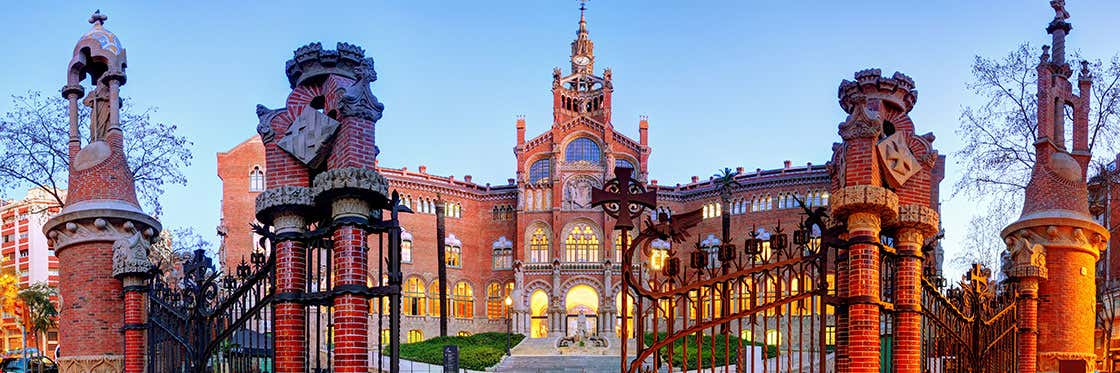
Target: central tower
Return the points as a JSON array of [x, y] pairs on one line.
[[581, 93]]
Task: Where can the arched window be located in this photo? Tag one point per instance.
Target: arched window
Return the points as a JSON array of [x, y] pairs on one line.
[[462, 300], [414, 297], [495, 302], [659, 254], [619, 162], [415, 335], [256, 179], [503, 253], [582, 149], [538, 246], [582, 244], [710, 245], [619, 246], [540, 171], [406, 246], [433, 298], [453, 251]]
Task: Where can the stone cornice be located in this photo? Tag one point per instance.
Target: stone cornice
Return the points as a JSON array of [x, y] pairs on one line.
[[864, 198], [98, 221]]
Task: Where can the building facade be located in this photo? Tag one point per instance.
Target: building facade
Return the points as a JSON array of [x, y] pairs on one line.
[[27, 255], [536, 238]]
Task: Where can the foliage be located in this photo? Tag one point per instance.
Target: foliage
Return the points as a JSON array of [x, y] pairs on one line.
[[687, 351], [998, 136], [9, 292], [725, 179], [34, 151], [476, 352], [42, 315]]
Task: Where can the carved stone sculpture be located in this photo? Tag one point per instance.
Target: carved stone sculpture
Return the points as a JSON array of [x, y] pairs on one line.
[[98, 102], [130, 254], [357, 100], [264, 126], [897, 159], [309, 137]]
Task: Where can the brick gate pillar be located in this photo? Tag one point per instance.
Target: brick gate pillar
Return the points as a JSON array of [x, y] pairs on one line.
[[916, 223], [879, 157], [1055, 230], [1025, 264], [135, 322], [287, 209], [101, 235], [353, 194]]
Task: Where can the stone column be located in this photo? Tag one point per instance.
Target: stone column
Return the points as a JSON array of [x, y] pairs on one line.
[[287, 209], [916, 223], [864, 207], [1025, 264], [72, 92], [354, 195]]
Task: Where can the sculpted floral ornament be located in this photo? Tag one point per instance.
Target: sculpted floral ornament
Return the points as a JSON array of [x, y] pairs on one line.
[[130, 254], [1024, 258], [357, 100], [862, 122], [264, 124]]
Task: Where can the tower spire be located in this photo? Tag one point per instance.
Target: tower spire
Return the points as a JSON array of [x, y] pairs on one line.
[[1059, 28], [583, 49]]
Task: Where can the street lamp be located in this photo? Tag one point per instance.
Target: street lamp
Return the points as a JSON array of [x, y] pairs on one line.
[[509, 325]]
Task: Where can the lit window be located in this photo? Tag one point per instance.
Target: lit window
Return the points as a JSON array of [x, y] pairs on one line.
[[495, 302], [540, 171], [413, 297], [582, 149], [773, 337], [453, 252], [256, 179], [464, 333], [433, 298], [619, 247], [538, 246], [385, 337], [406, 246], [415, 335], [659, 254], [462, 300], [830, 335], [582, 244], [746, 334]]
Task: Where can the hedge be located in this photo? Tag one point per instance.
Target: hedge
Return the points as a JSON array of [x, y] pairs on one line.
[[692, 352], [476, 352]]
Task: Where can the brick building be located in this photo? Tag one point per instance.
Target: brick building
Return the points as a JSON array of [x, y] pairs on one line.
[[27, 255], [536, 237]]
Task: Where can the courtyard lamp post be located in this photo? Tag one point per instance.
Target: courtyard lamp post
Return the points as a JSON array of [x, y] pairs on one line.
[[509, 324]]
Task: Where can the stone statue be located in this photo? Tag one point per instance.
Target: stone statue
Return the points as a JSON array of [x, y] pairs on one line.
[[582, 324], [98, 102], [579, 193], [1060, 13]]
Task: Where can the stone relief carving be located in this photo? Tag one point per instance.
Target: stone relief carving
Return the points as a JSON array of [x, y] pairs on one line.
[[350, 178], [357, 100], [898, 161], [130, 254], [283, 196], [1024, 258], [309, 137], [577, 192], [862, 122], [91, 364], [264, 126], [863, 197]]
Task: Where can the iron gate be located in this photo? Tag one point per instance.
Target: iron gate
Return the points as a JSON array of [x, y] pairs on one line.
[[209, 321], [970, 328], [762, 307]]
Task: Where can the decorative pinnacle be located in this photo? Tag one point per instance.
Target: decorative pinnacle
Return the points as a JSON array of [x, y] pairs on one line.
[[97, 18]]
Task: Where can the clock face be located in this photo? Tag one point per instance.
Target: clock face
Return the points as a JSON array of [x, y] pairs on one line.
[[581, 60]]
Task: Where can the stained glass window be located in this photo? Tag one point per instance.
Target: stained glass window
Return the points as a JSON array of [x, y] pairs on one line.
[[582, 149], [538, 246], [540, 171]]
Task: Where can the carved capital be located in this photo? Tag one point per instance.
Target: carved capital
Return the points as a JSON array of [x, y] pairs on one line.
[[919, 217], [274, 202], [1060, 230], [864, 198], [864, 221], [75, 90], [365, 184], [91, 364], [1024, 258], [130, 254]]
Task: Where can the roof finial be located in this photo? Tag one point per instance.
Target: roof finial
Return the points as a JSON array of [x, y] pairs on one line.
[[582, 19], [97, 18]]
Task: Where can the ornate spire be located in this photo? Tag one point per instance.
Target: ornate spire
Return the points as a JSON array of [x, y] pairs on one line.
[[97, 18], [583, 49], [1059, 28]]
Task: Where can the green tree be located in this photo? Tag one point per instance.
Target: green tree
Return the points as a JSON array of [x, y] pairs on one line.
[[41, 312]]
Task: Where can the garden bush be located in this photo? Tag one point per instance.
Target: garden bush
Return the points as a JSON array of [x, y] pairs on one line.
[[476, 352], [704, 352]]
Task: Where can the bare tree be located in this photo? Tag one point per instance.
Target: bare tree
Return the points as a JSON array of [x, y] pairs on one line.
[[173, 248], [34, 150], [999, 135]]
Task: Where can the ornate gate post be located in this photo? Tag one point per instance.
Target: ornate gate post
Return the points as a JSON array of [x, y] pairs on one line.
[[101, 232], [917, 223], [1025, 264], [287, 209], [879, 155], [1056, 218]]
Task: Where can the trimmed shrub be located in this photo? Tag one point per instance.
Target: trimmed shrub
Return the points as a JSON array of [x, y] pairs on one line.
[[476, 352]]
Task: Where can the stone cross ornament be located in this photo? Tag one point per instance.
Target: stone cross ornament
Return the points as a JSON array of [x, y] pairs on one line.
[[623, 198]]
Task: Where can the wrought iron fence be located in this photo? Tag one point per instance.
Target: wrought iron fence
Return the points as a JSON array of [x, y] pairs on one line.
[[209, 321], [971, 327]]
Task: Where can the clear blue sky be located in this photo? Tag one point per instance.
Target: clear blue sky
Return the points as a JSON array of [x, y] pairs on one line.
[[724, 84]]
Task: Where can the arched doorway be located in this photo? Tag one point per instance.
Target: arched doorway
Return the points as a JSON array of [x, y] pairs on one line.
[[582, 306], [538, 307]]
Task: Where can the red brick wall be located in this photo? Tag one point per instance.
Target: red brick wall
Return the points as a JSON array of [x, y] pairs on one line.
[[93, 326], [238, 202]]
